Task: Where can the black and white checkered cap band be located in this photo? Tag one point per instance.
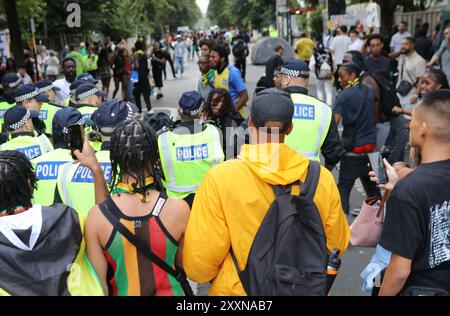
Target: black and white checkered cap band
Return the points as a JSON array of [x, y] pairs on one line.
[[87, 94], [294, 73], [21, 123], [28, 96], [46, 89], [192, 113], [80, 122]]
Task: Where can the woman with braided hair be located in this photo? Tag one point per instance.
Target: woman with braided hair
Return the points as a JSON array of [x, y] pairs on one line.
[[38, 243], [142, 264]]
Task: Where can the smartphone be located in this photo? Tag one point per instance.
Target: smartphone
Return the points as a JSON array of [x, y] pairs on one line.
[[377, 164], [76, 138]]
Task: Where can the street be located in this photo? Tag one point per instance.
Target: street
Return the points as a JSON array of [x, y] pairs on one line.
[[355, 260]]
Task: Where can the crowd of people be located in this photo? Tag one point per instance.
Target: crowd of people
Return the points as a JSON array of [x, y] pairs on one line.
[[145, 203]]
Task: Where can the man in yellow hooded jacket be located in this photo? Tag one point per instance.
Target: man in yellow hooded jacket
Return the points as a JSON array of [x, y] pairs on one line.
[[235, 196]]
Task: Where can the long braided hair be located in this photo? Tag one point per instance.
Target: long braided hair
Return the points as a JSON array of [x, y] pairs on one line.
[[134, 151], [17, 181]]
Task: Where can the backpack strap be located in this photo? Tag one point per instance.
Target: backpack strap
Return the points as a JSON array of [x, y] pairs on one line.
[[312, 180], [142, 247]]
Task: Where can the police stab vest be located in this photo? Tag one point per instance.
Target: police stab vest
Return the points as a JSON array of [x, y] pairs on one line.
[[311, 122], [46, 115], [76, 184], [31, 147], [186, 159], [47, 168]]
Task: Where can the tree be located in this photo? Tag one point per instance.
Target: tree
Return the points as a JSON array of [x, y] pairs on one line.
[[12, 16]]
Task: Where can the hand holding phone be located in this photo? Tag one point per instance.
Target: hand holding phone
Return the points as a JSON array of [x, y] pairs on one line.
[[76, 139], [377, 164]]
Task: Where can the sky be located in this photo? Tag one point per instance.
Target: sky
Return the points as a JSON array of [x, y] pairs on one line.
[[203, 4]]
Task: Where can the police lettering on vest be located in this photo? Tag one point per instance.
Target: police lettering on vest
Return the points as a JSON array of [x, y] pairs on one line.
[[43, 115], [191, 153], [87, 116], [30, 152], [304, 112], [48, 170], [84, 175]]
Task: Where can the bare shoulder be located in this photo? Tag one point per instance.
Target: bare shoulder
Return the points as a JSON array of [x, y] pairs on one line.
[[178, 208]]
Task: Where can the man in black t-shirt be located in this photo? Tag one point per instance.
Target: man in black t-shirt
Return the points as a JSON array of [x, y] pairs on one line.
[[272, 64], [417, 225]]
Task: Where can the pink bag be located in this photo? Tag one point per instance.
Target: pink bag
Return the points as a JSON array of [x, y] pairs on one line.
[[368, 226]]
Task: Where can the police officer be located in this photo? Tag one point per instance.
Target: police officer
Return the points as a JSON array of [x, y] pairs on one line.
[[48, 107], [48, 165], [10, 82], [88, 98], [31, 98], [189, 150], [315, 131], [75, 182], [22, 136]]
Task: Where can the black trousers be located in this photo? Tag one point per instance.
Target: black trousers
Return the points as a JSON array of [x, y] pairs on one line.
[[142, 88], [241, 64], [353, 168], [170, 60]]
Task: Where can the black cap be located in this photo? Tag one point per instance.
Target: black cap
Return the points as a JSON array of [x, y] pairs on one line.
[[190, 103], [86, 90], [46, 85], [67, 116], [112, 113], [29, 91], [272, 105], [17, 116], [11, 80]]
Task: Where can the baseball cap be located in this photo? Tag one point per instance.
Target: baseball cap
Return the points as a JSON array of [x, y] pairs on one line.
[[86, 90], [10, 80], [17, 116], [46, 85], [112, 113], [272, 105], [296, 69], [68, 116], [29, 91], [190, 103]]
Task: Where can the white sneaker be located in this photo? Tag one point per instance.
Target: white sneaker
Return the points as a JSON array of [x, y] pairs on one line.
[[151, 112]]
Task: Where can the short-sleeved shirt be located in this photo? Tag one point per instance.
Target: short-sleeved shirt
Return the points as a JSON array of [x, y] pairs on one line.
[[382, 64], [180, 48], [357, 113], [64, 93], [444, 55], [340, 46], [397, 39], [231, 80], [417, 224], [411, 68]]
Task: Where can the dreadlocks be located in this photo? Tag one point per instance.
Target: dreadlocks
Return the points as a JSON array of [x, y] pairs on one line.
[[17, 181], [227, 105], [134, 151]]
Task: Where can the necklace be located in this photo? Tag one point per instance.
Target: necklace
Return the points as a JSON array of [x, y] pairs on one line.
[[17, 210]]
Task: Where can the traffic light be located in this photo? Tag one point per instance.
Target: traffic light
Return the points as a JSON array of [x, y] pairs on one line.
[[336, 7]]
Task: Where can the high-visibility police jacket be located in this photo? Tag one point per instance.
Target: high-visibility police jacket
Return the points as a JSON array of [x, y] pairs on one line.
[[76, 183], [91, 62], [186, 158], [4, 106], [47, 168], [28, 144], [311, 123], [47, 113], [86, 110]]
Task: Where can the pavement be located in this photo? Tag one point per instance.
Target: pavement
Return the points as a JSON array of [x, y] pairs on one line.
[[355, 260]]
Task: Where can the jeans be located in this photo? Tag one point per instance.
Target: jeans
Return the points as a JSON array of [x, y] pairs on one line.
[[351, 169], [398, 138], [179, 63], [383, 130], [325, 91]]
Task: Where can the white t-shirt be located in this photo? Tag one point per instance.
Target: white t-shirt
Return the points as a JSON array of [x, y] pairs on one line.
[[340, 46], [63, 94], [396, 41], [356, 45]]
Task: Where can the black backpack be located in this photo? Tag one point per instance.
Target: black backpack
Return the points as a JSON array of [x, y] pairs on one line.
[[239, 50], [288, 256], [388, 94]]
